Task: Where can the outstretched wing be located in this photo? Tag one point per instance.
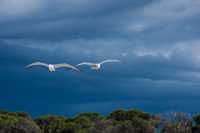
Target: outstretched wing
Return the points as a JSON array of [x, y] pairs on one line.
[[109, 60], [37, 64], [65, 65], [85, 63]]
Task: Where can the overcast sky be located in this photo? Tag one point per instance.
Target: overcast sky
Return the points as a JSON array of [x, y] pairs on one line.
[[158, 42]]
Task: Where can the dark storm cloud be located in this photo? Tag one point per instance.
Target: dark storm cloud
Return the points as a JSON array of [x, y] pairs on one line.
[[66, 19], [157, 42]]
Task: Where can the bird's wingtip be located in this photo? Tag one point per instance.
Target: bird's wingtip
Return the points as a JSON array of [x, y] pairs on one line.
[[27, 66], [79, 70]]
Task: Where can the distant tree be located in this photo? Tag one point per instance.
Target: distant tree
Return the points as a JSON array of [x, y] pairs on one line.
[[101, 126], [23, 114], [83, 122], [197, 119], [92, 116], [123, 127], [109, 126], [118, 115], [70, 127], [196, 128], [17, 114], [136, 125], [19, 122], [119, 121], [51, 124], [138, 113], [122, 115], [176, 122]]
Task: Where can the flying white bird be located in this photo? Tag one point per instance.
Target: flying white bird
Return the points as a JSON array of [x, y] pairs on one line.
[[52, 67], [96, 66]]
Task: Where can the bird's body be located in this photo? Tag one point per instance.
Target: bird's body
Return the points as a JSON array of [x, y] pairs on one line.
[[96, 66], [52, 67]]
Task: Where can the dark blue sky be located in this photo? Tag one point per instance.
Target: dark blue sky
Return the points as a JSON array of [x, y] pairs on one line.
[[158, 42]]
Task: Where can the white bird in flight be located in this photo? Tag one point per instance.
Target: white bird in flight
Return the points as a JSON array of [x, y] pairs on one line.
[[52, 67], [97, 66]]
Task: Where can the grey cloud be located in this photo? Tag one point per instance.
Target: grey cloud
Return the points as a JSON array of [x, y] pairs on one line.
[[160, 55], [69, 19], [66, 20], [172, 9]]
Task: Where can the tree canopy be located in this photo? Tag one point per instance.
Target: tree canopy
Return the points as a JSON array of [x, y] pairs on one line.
[[119, 121]]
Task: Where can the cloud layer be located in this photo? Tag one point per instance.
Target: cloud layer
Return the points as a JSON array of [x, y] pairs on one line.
[[156, 40]]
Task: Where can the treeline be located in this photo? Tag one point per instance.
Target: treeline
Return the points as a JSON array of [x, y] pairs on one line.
[[119, 121]]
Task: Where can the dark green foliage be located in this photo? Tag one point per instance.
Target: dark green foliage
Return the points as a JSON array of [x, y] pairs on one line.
[[121, 115], [51, 124], [130, 121], [83, 122], [176, 123], [119, 121], [58, 124], [137, 125], [70, 127], [18, 122], [17, 114], [101, 126], [197, 119], [91, 116], [118, 115]]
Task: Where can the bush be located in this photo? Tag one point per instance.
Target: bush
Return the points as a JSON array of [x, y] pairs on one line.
[[17, 123], [91, 116], [51, 124], [176, 122], [122, 115]]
